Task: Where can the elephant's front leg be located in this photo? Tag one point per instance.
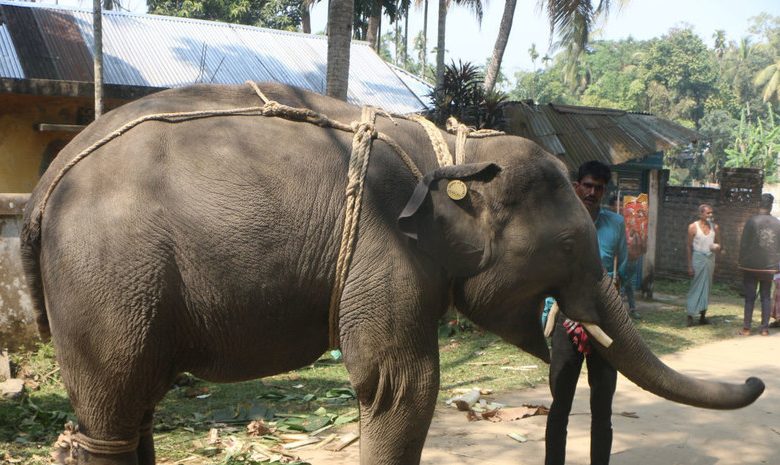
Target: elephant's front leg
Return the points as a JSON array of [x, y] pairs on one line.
[[396, 378]]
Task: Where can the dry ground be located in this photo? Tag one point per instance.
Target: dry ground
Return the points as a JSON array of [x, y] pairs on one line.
[[663, 434]]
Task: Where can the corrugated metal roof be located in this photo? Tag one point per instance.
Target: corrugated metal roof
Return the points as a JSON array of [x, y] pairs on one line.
[[416, 84], [54, 42], [9, 62], [578, 134]]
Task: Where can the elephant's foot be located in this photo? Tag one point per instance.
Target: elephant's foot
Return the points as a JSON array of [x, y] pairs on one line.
[[75, 448], [85, 457]]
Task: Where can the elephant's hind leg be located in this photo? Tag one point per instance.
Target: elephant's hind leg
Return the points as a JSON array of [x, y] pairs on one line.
[[145, 448], [113, 393]]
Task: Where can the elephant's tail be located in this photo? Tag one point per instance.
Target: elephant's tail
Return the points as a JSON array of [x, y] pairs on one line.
[[31, 263]]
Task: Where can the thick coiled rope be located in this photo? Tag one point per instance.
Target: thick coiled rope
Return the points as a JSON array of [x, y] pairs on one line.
[[70, 441], [356, 177]]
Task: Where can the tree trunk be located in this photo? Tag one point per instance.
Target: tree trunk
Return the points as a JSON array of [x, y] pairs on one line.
[[424, 58], [440, 43], [97, 35], [374, 23], [379, 36], [498, 51], [306, 18], [406, 39], [397, 41], [339, 39], [373, 29]]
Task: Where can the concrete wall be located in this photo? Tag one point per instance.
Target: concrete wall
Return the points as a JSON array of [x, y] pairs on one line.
[[734, 202], [23, 148], [17, 321]]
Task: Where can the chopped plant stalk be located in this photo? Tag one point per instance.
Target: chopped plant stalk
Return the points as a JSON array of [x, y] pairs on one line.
[[301, 443], [343, 443], [518, 437]]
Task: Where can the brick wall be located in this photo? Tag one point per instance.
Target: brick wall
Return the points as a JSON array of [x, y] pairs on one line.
[[734, 202]]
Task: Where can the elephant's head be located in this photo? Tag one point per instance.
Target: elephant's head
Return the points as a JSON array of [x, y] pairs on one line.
[[520, 234]]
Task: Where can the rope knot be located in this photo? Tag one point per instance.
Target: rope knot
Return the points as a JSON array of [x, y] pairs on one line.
[[272, 108], [456, 127]]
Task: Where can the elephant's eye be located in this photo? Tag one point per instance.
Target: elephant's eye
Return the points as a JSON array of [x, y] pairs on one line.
[[567, 245]]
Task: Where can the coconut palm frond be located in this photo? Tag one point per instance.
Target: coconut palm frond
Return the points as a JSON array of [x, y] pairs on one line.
[[475, 6]]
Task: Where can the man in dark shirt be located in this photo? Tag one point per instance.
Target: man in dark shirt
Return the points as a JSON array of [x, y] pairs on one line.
[[759, 259]]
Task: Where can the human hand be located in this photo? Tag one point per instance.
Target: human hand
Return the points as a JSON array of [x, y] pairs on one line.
[[690, 270], [715, 248]]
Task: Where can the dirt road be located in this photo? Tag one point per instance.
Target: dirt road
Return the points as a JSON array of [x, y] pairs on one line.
[[663, 434]]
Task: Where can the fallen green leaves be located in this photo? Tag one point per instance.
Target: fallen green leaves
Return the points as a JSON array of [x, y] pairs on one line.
[[263, 443]]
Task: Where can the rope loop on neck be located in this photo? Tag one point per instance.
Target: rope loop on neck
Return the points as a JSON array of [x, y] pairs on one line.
[[356, 177]]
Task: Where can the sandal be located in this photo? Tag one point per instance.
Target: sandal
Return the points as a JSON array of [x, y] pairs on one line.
[[744, 332], [765, 332]]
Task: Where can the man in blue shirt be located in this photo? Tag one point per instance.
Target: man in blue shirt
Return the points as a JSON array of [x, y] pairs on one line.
[[570, 344]]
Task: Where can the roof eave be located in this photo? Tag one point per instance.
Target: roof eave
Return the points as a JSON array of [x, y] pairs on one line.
[[57, 88]]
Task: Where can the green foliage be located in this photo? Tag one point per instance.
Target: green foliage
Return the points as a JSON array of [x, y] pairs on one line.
[[756, 144], [274, 14], [541, 86], [29, 421], [37, 418], [462, 95], [718, 127], [284, 15], [229, 11], [676, 77], [684, 75]]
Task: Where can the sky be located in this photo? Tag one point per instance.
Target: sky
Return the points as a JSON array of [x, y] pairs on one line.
[[640, 19]]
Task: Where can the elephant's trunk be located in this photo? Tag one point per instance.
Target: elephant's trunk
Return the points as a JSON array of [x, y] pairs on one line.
[[631, 356]]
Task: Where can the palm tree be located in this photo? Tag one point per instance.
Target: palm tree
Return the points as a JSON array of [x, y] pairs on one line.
[[476, 6], [720, 43], [769, 77], [374, 24], [97, 37], [574, 22], [572, 18], [306, 15], [498, 50], [423, 58], [534, 54], [339, 41]]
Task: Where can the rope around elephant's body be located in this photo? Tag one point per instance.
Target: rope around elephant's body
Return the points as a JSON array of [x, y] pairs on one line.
[[270, 109], [364, 132]]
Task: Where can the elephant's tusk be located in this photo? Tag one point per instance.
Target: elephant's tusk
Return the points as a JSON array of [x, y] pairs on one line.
[[548, 328], [598, 334]]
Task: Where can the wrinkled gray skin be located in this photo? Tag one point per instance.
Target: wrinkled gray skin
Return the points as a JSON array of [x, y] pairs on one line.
[[209, 246]]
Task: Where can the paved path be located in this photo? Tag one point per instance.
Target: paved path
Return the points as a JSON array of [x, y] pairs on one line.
[[663, 434]]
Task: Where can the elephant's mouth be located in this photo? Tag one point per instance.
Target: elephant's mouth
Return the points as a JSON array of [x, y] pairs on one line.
[[592, 328]]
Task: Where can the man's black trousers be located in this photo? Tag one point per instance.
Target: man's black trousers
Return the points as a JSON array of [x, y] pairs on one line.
[[564, 371]]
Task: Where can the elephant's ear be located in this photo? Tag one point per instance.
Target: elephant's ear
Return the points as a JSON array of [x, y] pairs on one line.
[[446, 217]]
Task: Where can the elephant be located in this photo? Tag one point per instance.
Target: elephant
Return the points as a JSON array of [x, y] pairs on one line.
[[210, 245]]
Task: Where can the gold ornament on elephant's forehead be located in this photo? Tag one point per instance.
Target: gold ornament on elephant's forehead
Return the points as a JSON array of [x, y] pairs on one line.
[[456, 189]]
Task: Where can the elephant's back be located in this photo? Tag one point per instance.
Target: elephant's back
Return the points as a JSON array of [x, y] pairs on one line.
[[197, 98]]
